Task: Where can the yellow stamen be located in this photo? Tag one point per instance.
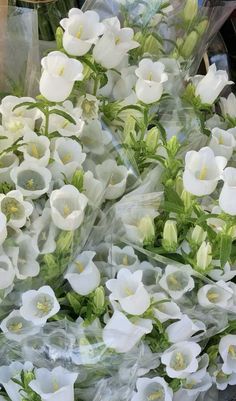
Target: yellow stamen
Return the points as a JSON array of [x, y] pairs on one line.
[[79, 266], [232, 351], [61, 71], [128, 292], [43, 306], [80, 32], [55, 385], [30, 184], [203, 173], [179, 362], [66, 210], [221, 140], [173, 280], [190, 384], [66, 158], [34, 151], [213, 296], [117, 40], [15, 327], [66, 123], [13, 209], [150, 76], [155, 396], [125, 260]]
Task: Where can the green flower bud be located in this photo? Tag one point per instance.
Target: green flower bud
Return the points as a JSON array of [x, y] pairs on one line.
[[147, 229], [173, 145], [187, 199], [152, 45], [179, 187], [190, 10], [50, 261], [198, 235], [170, 236], [232, 232], [65, 241], [201, 27], [78, 180], [204, 256], [189, 44], [152, 139], [99, 299], [129, 128], [59, 38], [28, 377]]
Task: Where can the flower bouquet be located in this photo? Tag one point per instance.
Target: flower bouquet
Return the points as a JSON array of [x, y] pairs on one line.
[[117, 216]]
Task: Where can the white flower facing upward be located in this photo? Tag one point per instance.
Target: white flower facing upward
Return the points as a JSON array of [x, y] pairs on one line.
[[116, 42], [215, 295], [36, 148], [81, 31], [202, 171], [181, 359], [13, 371], [21, 114], [67, 207], [177, 281], [155, 389], [228, 193], [228, 105], [55, 385], [123, 257], [83, 275], [16, 328], [63, 125], [211, 85], [129, 290], [38, 306], [151, 76], [15, 208], [59, 75], [31, 179], [122, 335], [227, 350], [222, 143], [114, 178]]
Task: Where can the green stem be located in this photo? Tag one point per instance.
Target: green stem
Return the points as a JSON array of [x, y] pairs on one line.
[[47, 114], [96, 86]]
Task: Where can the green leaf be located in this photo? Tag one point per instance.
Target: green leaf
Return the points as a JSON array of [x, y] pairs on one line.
[[225, 249], [74, 302], [131, 107], [3, 137], [64, 115], [172, 196], [172, 207]]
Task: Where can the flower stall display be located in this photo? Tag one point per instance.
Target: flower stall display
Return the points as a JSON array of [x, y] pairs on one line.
[[117, 213]]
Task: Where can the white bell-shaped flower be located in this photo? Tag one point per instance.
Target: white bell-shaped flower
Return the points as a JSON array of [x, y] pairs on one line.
[[44, 233], [13, 371], [24, 258], [58, 123], [15, 208], [7, 272], [7, 163], [227, 274], [228, 105], [16, 328], [227, 350], [164, 308], [123, 257], [114, 178], [129, 290], [36, 148], [3, 228], [94, 138], [93, 188], [21, 114], [228, 193], [177, 281], [215, 295], [222, 143], [152, 389], [184, 329]]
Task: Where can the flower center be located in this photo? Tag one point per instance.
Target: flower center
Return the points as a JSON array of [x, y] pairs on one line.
[[179, 362], [79, 266], [203, 173], [61, 71], [221, 140], [79, 33], [117, 40], [55, 385], [66, 158], [34, 151], [125, 261], [232, 351], [66, 211], [213, 296], [155, 396], [15, 327], [15, 126], [10, 207], [190, 384], [150, 76], [128, 292], [30, 184], [44, 305], [65, 124]]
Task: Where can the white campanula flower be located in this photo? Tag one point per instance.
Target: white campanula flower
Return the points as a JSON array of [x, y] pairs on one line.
[[31, 179], [125, 83], [59, 75], [38, 306], [129, 290], [202, 171], [221, 379], [222, 143], [89, 106], [67, 207], [184, 329], [94, 138], [177, 281], [194, 385], [211, 85], [7, 163], [44, 233], [228, 105], [81, 31], [83, 275], [227, 350], [16, 328], [215, 122], [123, 257], [36, 149], [3, 228], [122, 334], [55, 385], [154, 389], [227, 274], [164, 308], [24, 257], [7, 272], [15, 208], [21, 114], [204, 256], [114, 178], [58, 123], [151, 76], [181, 359], [228, 193], [215, 295], [13, 371], [114, 44], [68, 156], [93, 188]]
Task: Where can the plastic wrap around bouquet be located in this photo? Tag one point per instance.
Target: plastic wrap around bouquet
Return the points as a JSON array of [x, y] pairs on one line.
[[118, 216]]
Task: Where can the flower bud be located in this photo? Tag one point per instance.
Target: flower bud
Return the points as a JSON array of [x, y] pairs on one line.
[[170, 236], [78, 180], [189, 44], [59, 38], [152, 139], [99, 299], [190, 10], [179, 186], [173, 145], [204, 256], [201, 27], [232, 232], [129, 128], [65, 241], [50, 261], [187, 199], [198, 235], [146, 227]]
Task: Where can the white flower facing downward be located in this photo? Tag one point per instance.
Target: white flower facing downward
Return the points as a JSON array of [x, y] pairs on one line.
[[177, 281], [228, 193], [215, 295], [24, 258], [16, 328], [181, 359], [94, 138], [212, 84], [15, 208], [114, 178], [36, 148], [227, 350], [164, 308], [202, 171], [228, 105], [67, 207], [38, 306], [59, 75], [122, 335], [93, 189], [44, 233], [83, 275], [155, 389], [184, 329], [129, 290], [222, 143], [151, 76], [123, 257], [55, 385], [81, 31], [114, 44], [7, 272], [31, 179]]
